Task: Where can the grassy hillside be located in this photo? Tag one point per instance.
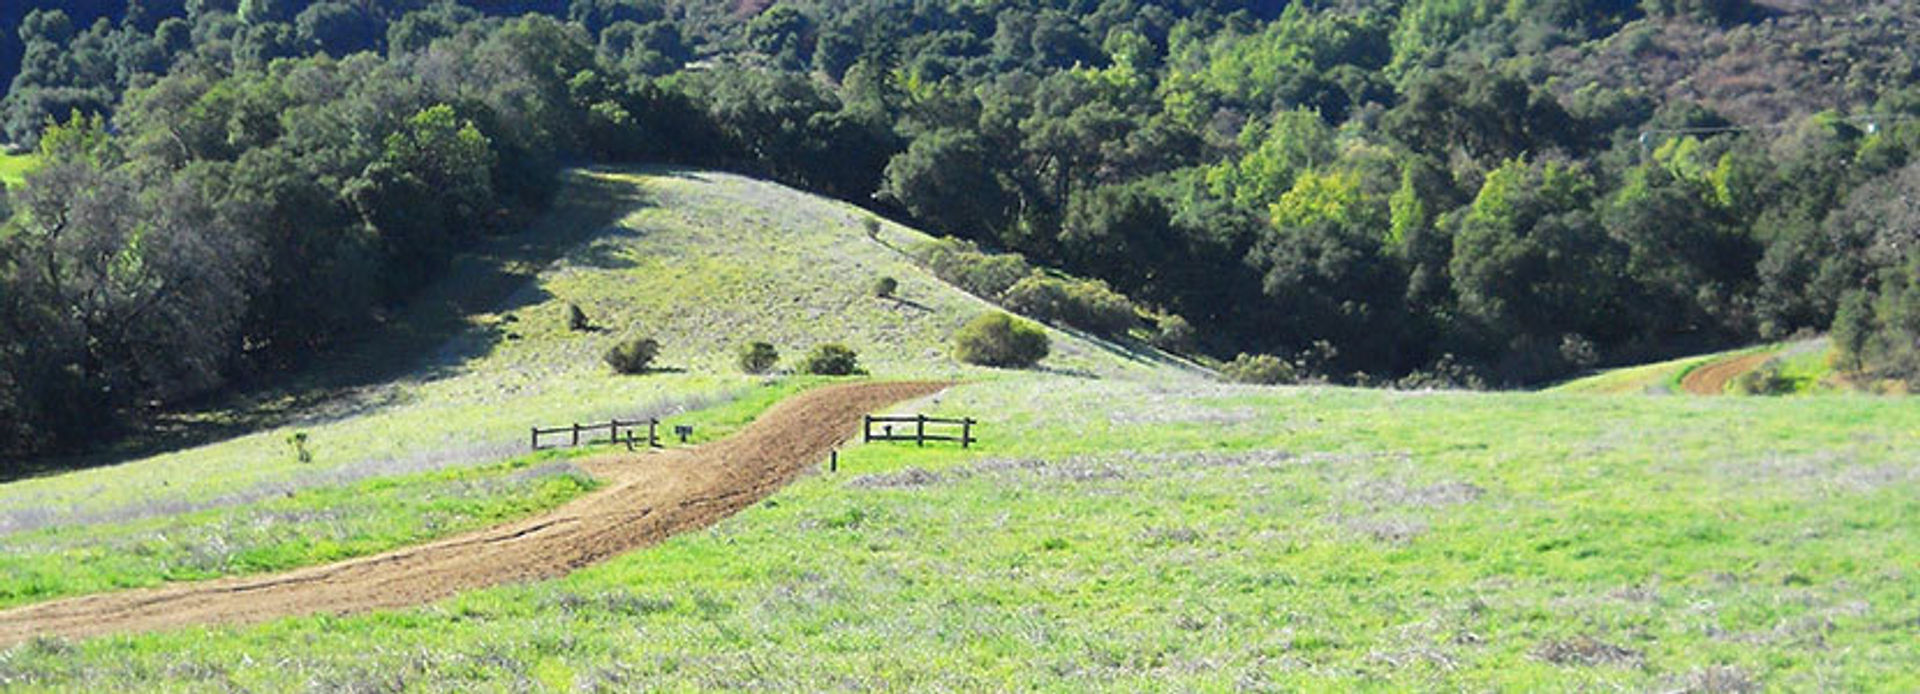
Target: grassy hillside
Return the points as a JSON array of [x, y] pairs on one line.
[[14, 167], [416, 427], [1136, 535], [1803, 367]]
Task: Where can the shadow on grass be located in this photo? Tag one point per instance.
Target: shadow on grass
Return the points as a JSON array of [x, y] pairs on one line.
[[428, 338], [909, 303], [1132, 350]]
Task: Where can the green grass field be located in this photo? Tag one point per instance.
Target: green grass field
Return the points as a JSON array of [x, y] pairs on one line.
[[1124, 525], [1133, 535]]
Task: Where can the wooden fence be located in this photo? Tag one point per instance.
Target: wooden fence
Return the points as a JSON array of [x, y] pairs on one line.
[[919, 435], [612, 427]]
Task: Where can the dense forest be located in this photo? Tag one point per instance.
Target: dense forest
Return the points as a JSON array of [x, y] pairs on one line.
[[1372, 191]]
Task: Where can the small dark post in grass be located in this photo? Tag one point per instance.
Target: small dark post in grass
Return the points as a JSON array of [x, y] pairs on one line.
[[886, 431], [920, 431], [653, 432], [833, 461], [866, 428], [576, 433], [683, 431], [533, 439], [966, 432]]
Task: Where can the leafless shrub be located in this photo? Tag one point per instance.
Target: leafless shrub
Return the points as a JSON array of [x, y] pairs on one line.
[[1379, 494], [1163, 536], [615, 677], [1398, 531], [609, 602], [1717, 679], [1585, 650], [904, 479]]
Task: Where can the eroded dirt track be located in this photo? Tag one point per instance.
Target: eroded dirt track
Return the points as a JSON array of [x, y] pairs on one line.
[[648, 497], [1712, 379]]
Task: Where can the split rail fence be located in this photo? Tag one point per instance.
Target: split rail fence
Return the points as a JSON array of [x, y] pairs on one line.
[[613, 428], [919, 435]]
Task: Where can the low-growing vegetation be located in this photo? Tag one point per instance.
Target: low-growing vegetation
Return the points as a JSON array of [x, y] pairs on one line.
[[997, 339], [758, 357], [1259, 369], [831, 359], [1008, 279], [633, 355], [1085, 304]]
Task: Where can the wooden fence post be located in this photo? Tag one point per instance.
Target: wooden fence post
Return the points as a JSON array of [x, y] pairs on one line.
[[966, 432], [533, 439], [653, 432], [833, 461], [866, 428], [920, 431], [576, 433]]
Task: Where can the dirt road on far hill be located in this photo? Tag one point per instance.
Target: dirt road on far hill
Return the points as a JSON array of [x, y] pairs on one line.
[[1712, 379], [648, 497]]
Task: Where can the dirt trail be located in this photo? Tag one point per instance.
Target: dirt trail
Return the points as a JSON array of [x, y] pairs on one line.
[[648, 497], [1712, 379]]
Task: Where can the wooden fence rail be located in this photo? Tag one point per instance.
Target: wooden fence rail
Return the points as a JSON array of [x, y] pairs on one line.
[[919, 436], [612, 427]]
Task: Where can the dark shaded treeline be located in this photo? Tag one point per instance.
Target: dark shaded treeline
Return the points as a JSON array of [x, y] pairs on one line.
[[1427, 191]]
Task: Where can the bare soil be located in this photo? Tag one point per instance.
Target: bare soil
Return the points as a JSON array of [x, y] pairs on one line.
[[1712, 379], [648, 498]]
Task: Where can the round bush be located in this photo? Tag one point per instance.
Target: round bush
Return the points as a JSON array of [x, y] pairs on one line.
[[1264, 369], [1175, 335], [758, 358], [997, 339], [831, 360], [633, 356], [885, 287]]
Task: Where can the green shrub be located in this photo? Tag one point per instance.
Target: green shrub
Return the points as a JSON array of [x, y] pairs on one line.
[[758, 358], [633, 356], [1175, 334], [298, 442], [1085, 304], [831, 360], [1264, 369], [1767, 379], [964, 265], [885, 287], [1445, 373], [577, 319], [997, 339]]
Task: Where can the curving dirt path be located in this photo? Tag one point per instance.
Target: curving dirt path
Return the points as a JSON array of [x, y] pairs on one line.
[[1712, 379], [648, 498]]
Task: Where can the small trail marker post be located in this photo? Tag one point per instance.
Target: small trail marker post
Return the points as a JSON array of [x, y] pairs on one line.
[[683, 431]]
